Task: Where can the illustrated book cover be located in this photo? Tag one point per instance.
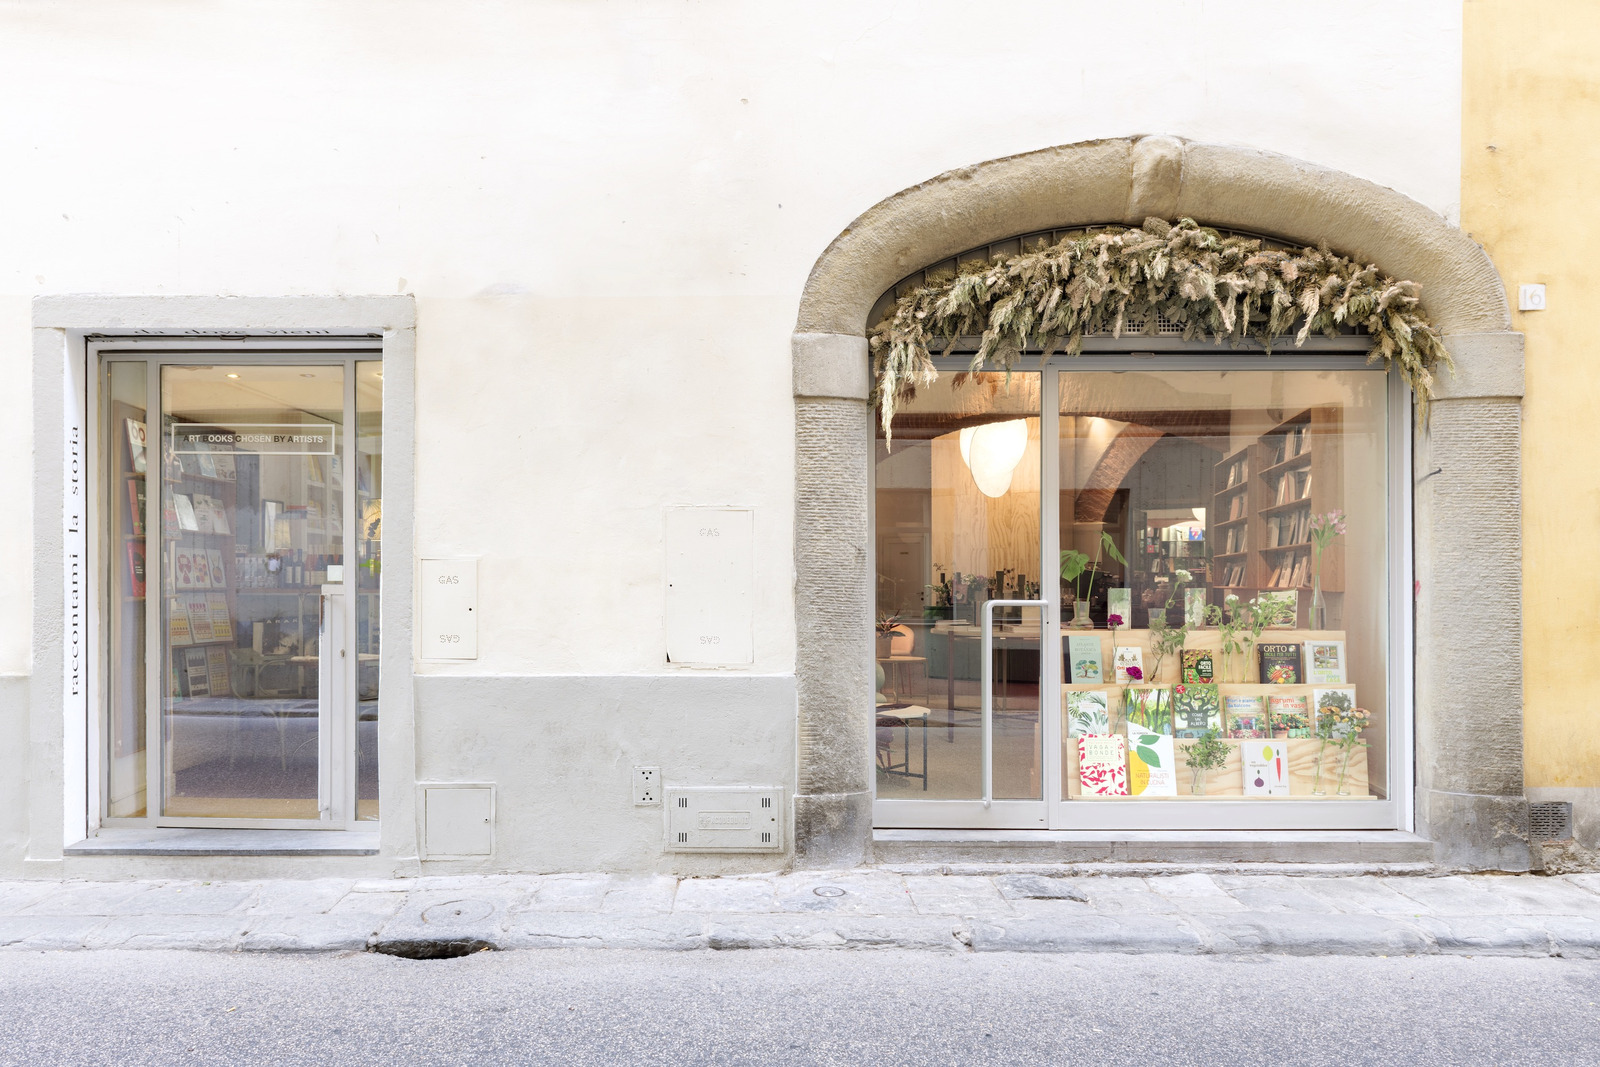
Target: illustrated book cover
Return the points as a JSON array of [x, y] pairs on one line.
[[1196, 708], [136, 507], [138, 459], [217, 607], [194, 664], [1194, 608], [1103, 765], [1128, 657], [1151, 771], [183, 568], [178, 625], [1335, 702], [217, 672], [199, 619], [135, 569], [219, 579], [201, 577], [1243, 716], [1284, 605], [1266, 768], [185, 512], [1289, 714], [1150, 708], [1279, 664], [1083, 657], [1088, 712], [1325, 662], [1198, 666]]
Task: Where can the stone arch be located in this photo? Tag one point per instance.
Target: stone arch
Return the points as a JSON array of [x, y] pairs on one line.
[[1469, 796]]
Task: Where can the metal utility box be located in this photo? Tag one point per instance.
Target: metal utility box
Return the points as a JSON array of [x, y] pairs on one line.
[[726, 819], [457, 820]]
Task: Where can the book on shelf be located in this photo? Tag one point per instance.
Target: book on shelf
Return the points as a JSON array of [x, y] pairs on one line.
[[1196, 708], [1103, 765], [217, 672], [169, 514], [1125, 658], [1194, 607], [136, 507], [1243, 715], [185, 512], [200, 619], [178, 632], [226, 471], [138, 456], [1288, 712], [182, 569], [1083, 659], [1151, 766], [1325, 663], [1334, 701], [1266, 768], [1236, 508], [1198, 666], [1279, 664], [219, 579], [1283, 606], [200, 569], [195, 675], [136, 568], [206, 462], [203, 513], [1150, 708], [221, 621], [1087, 712]]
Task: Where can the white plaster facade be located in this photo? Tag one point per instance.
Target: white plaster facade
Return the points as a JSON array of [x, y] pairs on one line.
[[606, 215]]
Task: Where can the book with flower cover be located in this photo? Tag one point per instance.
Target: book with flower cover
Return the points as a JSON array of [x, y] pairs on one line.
[[200, 569], [1290, 715], [1198, 666], [1196, 708], [1194, 607], [1334, 702], [1152, 771], [183, 568], [1083, 659], [1243, 715], [1150, 708], [1279, 664], [1129, 664], [1087, 712], [1103, 765]]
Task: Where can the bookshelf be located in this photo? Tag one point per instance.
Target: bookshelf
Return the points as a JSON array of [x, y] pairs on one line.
[[1266, 493]]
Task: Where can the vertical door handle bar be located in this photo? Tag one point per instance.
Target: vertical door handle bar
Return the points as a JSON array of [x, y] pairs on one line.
[[987, 669]]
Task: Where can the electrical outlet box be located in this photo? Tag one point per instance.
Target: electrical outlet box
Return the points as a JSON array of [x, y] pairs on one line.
[[729, 819], [646, 785]]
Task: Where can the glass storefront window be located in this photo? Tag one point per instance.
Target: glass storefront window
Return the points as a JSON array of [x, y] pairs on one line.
[[1218, 583]]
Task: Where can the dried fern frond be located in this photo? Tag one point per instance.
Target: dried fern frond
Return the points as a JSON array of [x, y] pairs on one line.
[[1227, 288]]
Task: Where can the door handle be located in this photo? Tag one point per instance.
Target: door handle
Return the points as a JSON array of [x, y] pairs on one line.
[[987, 675]]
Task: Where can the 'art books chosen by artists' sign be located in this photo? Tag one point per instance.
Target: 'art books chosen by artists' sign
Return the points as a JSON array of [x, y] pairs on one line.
[[311, 438]]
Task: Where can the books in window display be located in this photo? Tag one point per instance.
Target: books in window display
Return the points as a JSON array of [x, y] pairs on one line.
[[136, 569], [1290, 715], [1244, 715], [1196, 708], [1279, 664], [1103, 765], [1083, 659], [1198, 666], [1128, 658], [1088, 712], [1325, 662], [197, 679], [1152, 770], [1150, 709]]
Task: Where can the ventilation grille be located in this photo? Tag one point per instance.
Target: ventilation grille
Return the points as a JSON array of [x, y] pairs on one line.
[[724, 819], [1550, 820]]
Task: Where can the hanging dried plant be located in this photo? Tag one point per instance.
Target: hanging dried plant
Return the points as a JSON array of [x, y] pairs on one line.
[[1225, 288]]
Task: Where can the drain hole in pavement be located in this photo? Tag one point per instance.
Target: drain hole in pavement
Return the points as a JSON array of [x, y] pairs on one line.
[[432, 949]]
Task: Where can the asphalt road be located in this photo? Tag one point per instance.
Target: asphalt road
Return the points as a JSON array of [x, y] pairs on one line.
[[870, 1007]]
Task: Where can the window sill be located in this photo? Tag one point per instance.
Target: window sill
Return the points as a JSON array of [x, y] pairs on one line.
[[173, 841]]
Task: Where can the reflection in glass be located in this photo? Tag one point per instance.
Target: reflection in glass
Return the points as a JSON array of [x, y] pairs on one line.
[[369, 542], [125, 454]]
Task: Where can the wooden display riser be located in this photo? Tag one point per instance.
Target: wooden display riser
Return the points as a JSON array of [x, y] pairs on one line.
[[1228, 780], [1203, 640]]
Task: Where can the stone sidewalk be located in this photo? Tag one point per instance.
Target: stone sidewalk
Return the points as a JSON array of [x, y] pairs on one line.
[[944, 910]]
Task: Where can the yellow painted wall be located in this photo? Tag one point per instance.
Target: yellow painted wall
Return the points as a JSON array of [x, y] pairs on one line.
[[1530, 194]]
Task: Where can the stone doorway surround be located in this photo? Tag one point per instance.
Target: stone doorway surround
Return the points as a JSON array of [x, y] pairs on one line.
[[1470, 800]]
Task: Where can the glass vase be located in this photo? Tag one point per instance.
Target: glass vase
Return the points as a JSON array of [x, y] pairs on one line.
[[1199, 787], [1316, 781], [1344, 770]]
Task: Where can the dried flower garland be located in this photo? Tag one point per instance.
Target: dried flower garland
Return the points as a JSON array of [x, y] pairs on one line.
[[1222, 287]]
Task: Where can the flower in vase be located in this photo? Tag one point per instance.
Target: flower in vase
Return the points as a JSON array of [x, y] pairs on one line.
[[1183, 576], [1135, 674], [1113, 621]]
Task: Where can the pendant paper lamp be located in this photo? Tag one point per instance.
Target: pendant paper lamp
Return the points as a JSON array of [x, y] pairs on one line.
[[992, 452]]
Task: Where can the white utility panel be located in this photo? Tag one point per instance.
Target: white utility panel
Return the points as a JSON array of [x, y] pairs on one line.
[[730, 819], [457, 820], [449, 615], [710, 570]]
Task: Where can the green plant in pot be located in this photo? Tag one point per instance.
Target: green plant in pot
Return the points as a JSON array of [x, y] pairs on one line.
[[887, 621], [1076, 565], [1208, 752]]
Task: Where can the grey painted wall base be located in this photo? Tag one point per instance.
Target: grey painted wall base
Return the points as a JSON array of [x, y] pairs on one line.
[[833, 830], [560, 751]]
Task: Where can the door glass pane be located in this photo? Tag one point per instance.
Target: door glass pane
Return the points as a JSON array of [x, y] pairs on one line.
[[369, 542], [1232, 526], [957, 520], [252, 519], [126, 457]]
